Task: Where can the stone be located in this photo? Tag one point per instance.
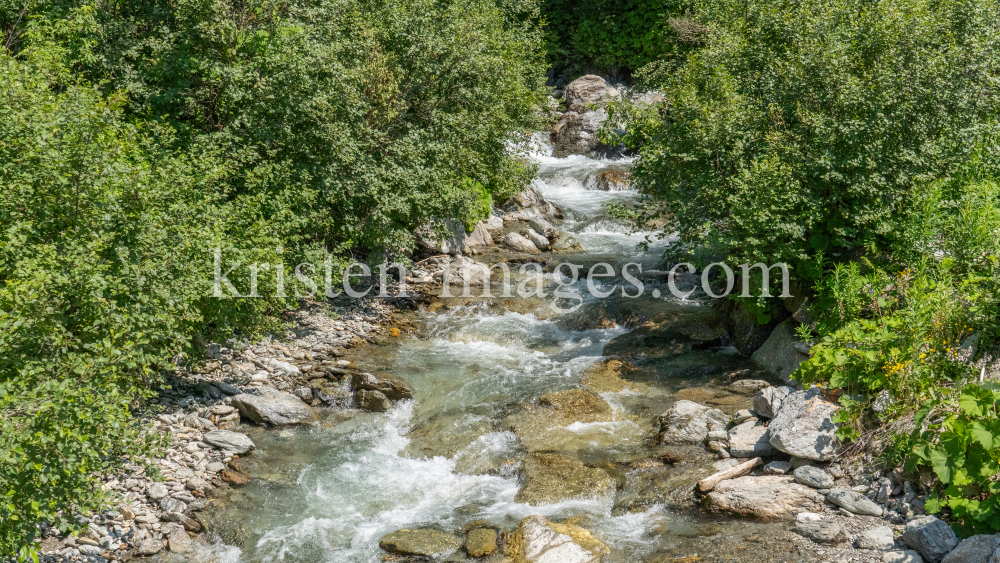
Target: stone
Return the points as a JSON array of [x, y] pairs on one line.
[[587, 90], [197, 484], [974, 549], [820, 529], [930, 537], [373, 401], [424, 542], [190, 524], [89, 549], [551, 425], [229, 441], [767, 401], [804, 426], [518, 243], [565, 243], [179, 542], [749, 386], [215, 467], [149, 547], [550, 478], [272, 407], [394, 389], [543, 227], [853, 502], [907, 556], [170, 504], [303, 393], [709, 483], [813, 477], [614, 179], [147, 518], [743, 415], [536, 239], [765, 497], [227, 388], [157, 492], [281, 367], [777, 468], [537, 540], [462, 271], [234, 476], [527, 204], [749, 440], [481, 542], [579, 133], [880, 539], [780, 354], [689, 422], [222, 410], [455, 239]]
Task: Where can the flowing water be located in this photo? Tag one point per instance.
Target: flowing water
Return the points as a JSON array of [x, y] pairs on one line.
[[445, 459]]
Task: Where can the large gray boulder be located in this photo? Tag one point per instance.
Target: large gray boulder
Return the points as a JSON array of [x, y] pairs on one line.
[[779, 353], [577, 133], [456, 239], [588, 90], [804, 426], [272, 407], [767, 401], [688, 422], [527, 204], [975, 549], [228, 441], [930, 537], [518, 243]]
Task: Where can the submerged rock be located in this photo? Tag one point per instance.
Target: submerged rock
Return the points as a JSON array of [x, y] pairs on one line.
[[272, 407], [766, 497], [567, 421], [425, 542], [551, 478], [391, 387], [538, 540], [804, 426], [374, 401], [481, 542]]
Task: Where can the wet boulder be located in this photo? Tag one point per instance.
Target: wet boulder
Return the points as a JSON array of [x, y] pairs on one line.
[[551, 478], [804, 426], [481, 542], [765, 497], [518, 243], [424, 542], [579, 133], [527, 204], [689, 422], [272, 407], [373, 401], [564, 422], [538, 540], [536, 238], [392, 388]]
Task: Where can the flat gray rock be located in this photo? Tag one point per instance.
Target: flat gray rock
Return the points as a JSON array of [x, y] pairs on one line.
[[229, 441], [852, 501], [272, 407], [974, 549], [688, 422], [804, 426], [880, 539], [930, 537], [749, 440], [820, 529], [777, 468], [813, 477]]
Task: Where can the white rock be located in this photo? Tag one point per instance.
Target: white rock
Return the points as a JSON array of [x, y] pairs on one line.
[[543, 542], [749, 440], [518, 243], [880, 539], [804, 426], [907, 556]]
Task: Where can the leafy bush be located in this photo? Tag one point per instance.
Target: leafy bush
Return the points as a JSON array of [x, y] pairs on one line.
[[958, 436], [804, 127]]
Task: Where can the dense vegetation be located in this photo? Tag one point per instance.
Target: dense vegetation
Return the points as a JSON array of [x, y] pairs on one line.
[[855, 141], [137, 136]]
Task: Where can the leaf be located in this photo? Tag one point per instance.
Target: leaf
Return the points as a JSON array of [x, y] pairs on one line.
[[940, 463]]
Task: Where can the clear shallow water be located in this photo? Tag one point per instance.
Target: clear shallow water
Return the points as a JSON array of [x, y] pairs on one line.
[[444, 459]]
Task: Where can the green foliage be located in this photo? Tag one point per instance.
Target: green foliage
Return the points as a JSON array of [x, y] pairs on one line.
[[958, 436], [139, 136], [804, 127], [617, 37]]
